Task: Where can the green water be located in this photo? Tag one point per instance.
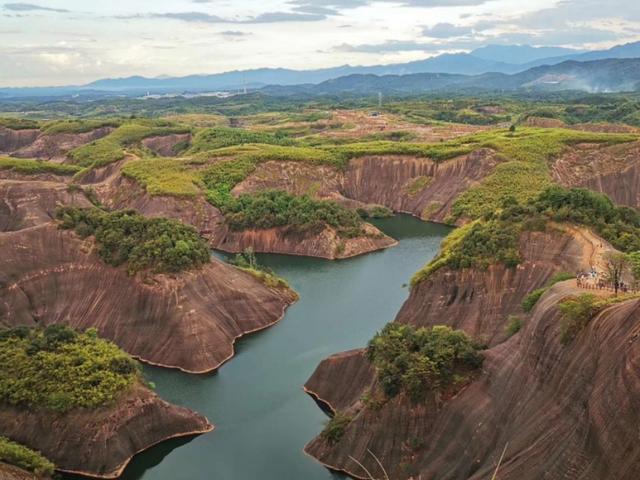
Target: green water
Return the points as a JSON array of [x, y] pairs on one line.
[[262, 416]]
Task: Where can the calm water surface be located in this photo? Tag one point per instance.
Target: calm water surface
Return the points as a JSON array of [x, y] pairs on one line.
[[262, 416]]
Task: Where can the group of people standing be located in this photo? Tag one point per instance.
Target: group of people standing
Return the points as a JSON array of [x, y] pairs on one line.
[[594, 280]]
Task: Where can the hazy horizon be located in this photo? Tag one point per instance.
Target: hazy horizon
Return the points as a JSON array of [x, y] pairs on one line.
[[67, 42]]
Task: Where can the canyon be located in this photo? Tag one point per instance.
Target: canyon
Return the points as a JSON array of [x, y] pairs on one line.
[[561, 410]]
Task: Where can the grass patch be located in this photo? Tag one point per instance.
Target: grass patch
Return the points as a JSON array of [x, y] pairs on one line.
[[159, 245], [417, 185], [437, 152], [34, 167], [77, 126], [525, 174], [60, 369], [220, 177], [18, 123], [163, 176], [219, 137], [98, 153], [514, 325], [22, 457], [520, 180]]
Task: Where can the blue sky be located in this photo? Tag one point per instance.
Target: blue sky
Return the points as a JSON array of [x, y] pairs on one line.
[[60, 42]]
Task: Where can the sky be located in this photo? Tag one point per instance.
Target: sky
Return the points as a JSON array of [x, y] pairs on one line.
[[73, 42]]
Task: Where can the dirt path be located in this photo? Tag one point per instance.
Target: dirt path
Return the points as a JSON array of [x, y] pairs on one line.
[[595, 247], [594, 251]]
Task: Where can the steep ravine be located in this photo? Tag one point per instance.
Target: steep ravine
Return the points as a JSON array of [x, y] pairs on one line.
[[480, 302], [256, 400], [418, 186], [566, 412]]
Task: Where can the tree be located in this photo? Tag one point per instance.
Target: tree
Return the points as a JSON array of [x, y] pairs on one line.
[[634, 266], [616, 264]]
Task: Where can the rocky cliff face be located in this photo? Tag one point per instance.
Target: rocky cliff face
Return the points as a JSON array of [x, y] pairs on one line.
[[613, 170], [480, 302], [28, 203], [322, 243], [563, 412], [188, 321], [117, 192], [418, 186], [12, 140], [56, 146], [552, 404], [101, 442], [9, 472], [297, 178], [165, 145]]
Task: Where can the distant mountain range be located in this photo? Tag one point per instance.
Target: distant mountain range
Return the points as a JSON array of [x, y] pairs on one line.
[[494, 59], [609, 75]]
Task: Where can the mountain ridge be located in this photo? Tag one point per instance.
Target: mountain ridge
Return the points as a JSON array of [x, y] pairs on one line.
[[484, 60]]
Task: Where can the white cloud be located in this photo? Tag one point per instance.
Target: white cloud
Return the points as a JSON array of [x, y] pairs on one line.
[[180, 37]]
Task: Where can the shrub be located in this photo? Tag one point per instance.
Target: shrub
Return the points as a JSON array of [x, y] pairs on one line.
[[576, 314], [248, 262], [222, 176], [276, 208], [416, 361], [618, 225], [157, 244], [335, 428], [25, 458], [377, 211], [531, 299], [560, 277], [476, 245], [514, 324], [60, 369]]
